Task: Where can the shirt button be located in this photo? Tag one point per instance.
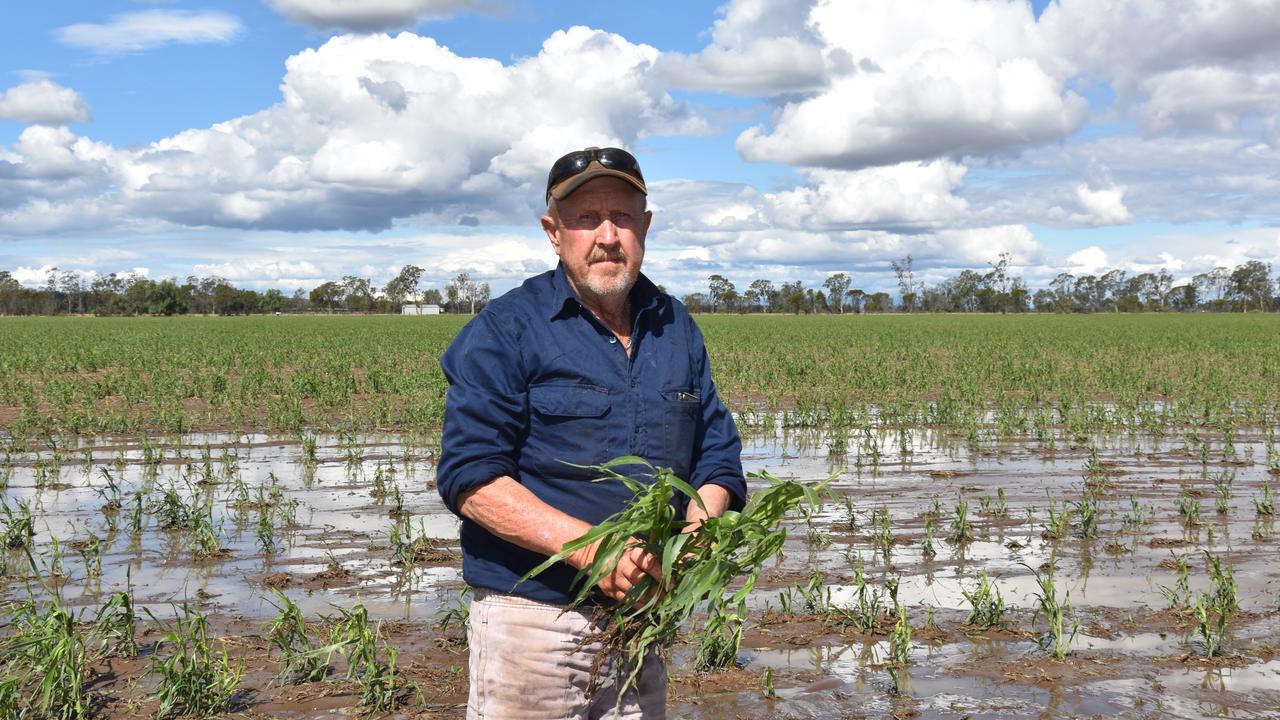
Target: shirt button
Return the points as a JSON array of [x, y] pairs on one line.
[[613, 340]]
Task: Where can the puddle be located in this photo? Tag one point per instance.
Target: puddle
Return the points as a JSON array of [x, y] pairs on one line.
[[340, 552]]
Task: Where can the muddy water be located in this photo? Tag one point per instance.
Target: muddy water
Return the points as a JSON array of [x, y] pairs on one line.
[[1130, 657]]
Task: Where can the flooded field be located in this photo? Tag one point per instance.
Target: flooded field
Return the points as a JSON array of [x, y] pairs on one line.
[[930, 584]]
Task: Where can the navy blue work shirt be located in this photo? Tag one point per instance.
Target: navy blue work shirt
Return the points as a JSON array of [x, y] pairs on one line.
[[538, 386]]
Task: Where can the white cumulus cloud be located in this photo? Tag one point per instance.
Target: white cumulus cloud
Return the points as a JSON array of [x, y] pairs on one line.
[[148, 29], [1179, 64], [1090, 260], [43, 102], [1104, 206], [372, 129], [908, 194], [933, 78], [758, 47]]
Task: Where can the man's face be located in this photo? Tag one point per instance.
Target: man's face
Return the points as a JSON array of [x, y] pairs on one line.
[[599, 232]]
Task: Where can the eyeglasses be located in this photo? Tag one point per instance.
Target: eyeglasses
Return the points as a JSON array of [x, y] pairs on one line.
[[578, 160]]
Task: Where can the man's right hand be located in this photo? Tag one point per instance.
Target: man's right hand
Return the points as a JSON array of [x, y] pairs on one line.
[[632, 567]]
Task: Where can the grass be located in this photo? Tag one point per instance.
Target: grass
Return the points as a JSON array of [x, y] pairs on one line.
[[287, 632], [382, 687], [193, 679], [1266, 504], [717, 645], [1213, 609], [1057, 613], [986, 604], [19, 527], [116, 623], [961, 531], [1178, 596], [46, 657]]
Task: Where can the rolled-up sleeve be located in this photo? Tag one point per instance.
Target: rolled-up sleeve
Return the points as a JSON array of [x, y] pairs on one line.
[[717, 457], [486, 409]]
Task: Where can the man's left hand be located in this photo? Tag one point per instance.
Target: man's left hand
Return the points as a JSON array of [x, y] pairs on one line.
[[715, 498]]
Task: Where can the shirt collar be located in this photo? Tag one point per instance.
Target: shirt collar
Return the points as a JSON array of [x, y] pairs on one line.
[[644, 294]]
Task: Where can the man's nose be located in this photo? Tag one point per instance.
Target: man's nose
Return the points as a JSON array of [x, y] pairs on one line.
[[607, 232]]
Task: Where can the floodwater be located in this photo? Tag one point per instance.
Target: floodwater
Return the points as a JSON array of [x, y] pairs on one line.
[[1130, 656]]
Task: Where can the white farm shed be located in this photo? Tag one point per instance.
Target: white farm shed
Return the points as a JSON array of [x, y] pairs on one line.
[[420, 310]]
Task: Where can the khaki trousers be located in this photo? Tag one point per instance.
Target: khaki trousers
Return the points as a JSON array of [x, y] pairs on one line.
[[524, 665]]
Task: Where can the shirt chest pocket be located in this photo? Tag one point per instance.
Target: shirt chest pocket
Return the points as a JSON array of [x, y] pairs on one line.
[[567, 424], [679, 422]]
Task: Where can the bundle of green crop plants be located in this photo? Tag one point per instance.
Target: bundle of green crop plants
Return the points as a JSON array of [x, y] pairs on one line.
[[696, 566]]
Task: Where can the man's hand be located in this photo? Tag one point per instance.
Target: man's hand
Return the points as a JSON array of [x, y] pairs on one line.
[[715, 498], [633, 566]]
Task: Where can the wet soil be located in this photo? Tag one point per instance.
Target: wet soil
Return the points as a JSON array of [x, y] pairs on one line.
[[1132, 655]]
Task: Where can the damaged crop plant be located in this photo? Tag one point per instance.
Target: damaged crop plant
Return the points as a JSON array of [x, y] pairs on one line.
[[696, 566]]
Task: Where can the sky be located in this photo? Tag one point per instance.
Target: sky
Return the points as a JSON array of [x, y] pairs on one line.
[[284, 143]]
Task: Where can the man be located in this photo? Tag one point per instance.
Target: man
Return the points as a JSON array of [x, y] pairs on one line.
[[573, 368]]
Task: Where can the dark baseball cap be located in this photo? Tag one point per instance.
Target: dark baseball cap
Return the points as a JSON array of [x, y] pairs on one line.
[[574, 169]]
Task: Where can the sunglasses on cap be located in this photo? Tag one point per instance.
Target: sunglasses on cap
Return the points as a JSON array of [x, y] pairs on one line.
[[617, 160]]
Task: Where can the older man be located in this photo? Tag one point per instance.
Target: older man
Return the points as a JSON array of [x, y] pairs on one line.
[[576, 366]]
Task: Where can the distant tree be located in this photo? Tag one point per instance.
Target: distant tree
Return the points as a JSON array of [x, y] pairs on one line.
[[731, 302], [1043, 301], [432, 296], [760, 293], [272, 301], [817, 301], [855, 299], [136, 290], [1111, 286], [717, 286], [163, 298], [836, 286], [1061, 287], [1019, 296], [792, 297], [1183, 297], [10, 291], [1153, 289], [207, 287], [998, 281], [72, 287], [106, 291], [696, 302], [906, 282], [403, 285], [357, 293], [878, 303], [1251, 285], [326, 295], [465, 292], [228, 299]]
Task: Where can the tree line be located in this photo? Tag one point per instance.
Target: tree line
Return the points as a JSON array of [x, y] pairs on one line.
[[68, 292], [1247, 287]]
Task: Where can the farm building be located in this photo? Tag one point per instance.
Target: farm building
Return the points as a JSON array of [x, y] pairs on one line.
[[420, 310]]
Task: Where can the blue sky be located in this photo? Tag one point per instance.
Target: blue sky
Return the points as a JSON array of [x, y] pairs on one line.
[[282, 143]]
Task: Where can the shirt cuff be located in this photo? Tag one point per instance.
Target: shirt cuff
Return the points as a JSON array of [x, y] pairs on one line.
[[473, 475], [736, 486]]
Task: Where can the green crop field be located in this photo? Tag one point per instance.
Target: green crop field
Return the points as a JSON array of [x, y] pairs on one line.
[[123, 375]]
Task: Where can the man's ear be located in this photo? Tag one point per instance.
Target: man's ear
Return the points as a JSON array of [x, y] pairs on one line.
[[549, 227]]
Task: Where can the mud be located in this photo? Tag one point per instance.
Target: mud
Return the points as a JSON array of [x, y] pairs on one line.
[[1131, 656]]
